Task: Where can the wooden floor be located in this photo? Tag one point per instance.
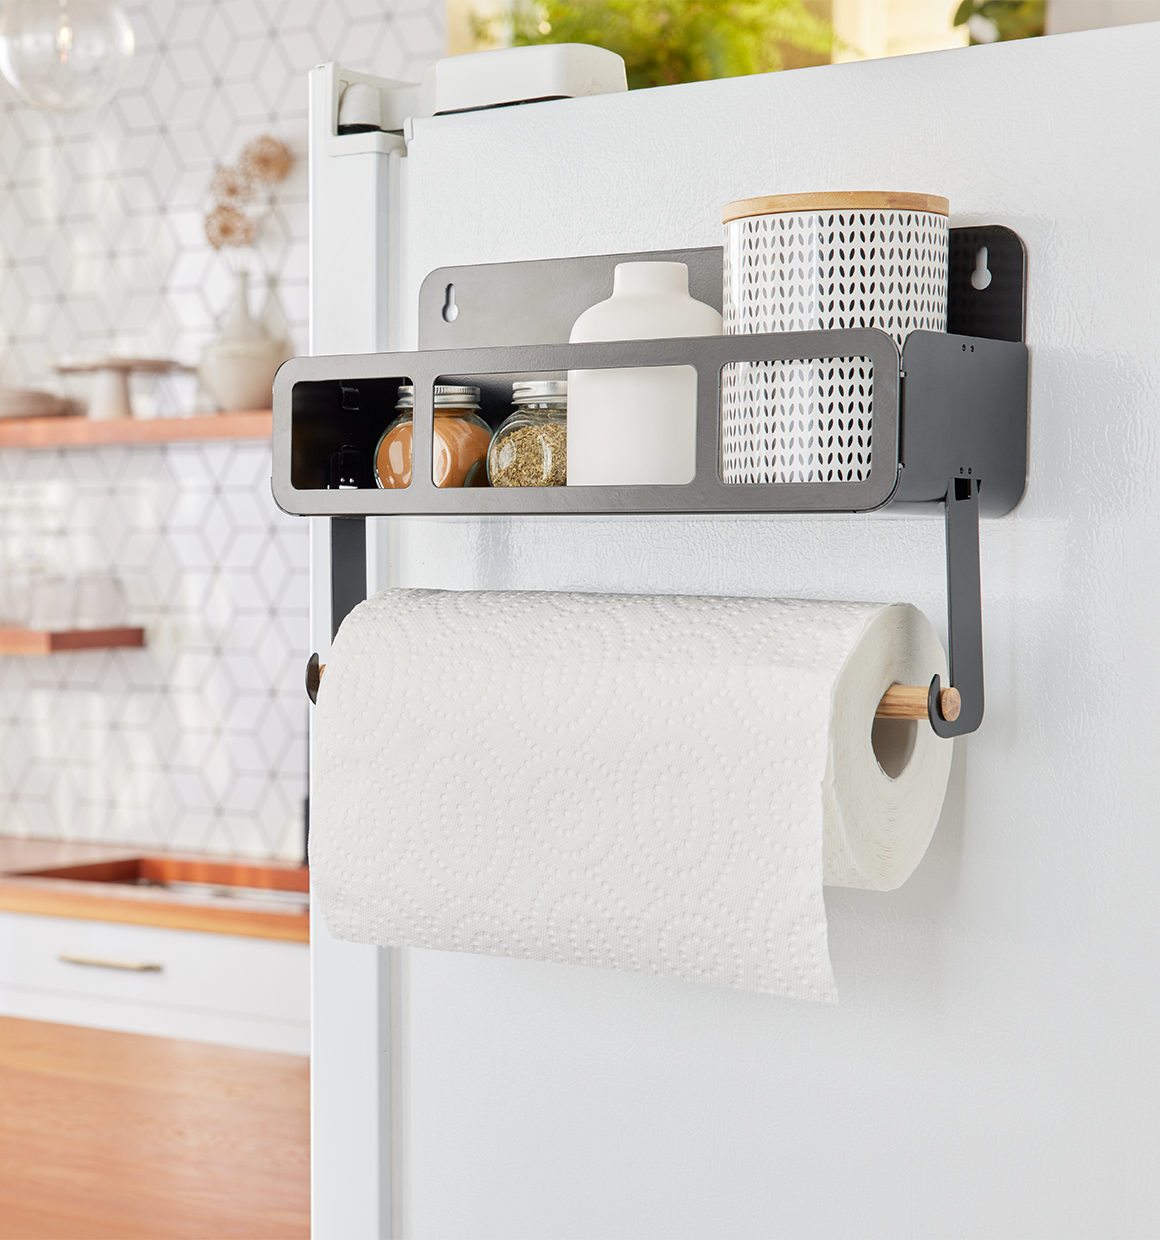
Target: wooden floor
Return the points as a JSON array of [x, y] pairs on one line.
[[112, 1136]]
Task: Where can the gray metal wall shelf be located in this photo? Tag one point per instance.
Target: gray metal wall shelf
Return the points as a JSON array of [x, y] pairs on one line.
[[948, 405]]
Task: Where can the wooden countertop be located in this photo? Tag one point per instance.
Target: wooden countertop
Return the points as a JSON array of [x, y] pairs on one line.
[[150, 905]]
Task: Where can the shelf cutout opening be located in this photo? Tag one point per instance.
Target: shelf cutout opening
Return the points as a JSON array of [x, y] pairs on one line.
[[335, 429]]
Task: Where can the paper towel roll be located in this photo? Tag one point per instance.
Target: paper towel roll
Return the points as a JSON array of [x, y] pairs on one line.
[[658, 784]]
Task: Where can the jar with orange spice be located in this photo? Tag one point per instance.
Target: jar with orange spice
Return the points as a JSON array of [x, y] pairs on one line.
[[459, 456]]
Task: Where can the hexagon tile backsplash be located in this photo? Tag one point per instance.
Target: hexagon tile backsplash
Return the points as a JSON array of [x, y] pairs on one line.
[[102, 244], [199, 740]]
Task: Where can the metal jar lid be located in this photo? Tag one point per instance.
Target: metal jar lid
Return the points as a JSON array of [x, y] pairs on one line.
[[447, 396], [529, 390]]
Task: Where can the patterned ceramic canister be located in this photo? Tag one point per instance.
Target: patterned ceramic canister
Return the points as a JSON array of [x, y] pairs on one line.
[[809, 262]]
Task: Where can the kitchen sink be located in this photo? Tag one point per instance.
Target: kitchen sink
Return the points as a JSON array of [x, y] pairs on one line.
[[284, 885]]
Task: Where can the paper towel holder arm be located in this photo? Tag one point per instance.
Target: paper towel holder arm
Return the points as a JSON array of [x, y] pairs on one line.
[[957, 709], [964, 613]]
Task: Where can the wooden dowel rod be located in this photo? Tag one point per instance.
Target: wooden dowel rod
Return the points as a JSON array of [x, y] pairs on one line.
[[909, 702], [898, 702]]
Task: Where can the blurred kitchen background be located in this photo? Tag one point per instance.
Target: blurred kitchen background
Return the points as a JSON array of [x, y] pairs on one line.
[[198, 740]]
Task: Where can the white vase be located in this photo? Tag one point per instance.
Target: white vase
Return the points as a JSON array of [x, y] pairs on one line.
[[637, 426], [238, 368]]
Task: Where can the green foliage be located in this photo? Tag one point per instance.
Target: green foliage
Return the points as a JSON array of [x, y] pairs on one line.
[[994, 21], [669, 41]]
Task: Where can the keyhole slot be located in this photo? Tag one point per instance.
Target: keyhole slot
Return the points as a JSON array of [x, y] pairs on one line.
[[451, 310], [981, 276]]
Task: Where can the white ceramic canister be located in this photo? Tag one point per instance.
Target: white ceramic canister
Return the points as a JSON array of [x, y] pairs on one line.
[[810, 262], [637, 425]]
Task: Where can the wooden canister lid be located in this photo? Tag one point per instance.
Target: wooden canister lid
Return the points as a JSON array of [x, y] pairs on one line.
[[847, 200]]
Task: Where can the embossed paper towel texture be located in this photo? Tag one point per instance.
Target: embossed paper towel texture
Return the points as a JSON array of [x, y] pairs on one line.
[[628, 782]]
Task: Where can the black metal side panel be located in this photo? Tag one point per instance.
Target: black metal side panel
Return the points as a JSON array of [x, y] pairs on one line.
[[490, 304], [964, 414], [986, 283], [536, 302]]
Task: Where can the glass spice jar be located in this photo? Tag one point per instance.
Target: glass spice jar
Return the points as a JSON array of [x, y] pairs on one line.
[[461, 440], [530, 449]]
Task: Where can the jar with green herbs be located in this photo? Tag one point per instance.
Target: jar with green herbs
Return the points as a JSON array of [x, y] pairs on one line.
[[530, 449]]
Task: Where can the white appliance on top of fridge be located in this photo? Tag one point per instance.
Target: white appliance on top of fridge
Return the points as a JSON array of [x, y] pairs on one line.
[[990, 1069]]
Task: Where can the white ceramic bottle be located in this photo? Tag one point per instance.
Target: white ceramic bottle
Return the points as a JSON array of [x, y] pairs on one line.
[[637, 426]]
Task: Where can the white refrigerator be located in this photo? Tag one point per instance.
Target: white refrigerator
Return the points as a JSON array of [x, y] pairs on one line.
[[991, 1069]]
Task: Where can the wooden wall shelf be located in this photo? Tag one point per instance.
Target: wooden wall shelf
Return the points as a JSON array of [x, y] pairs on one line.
[[36, 641], [81, 433]]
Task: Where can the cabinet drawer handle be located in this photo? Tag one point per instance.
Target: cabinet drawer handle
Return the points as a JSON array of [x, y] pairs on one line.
[[104, 962]]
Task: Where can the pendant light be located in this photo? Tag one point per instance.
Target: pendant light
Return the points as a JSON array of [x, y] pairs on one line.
[[65, 55]]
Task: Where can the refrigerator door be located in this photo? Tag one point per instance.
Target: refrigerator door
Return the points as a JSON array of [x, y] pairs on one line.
[[963, 1084]]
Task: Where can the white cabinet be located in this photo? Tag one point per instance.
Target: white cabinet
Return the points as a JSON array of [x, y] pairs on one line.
[[205, 987]]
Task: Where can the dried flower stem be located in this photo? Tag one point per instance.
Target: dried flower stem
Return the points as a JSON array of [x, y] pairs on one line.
[[240, 196]]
